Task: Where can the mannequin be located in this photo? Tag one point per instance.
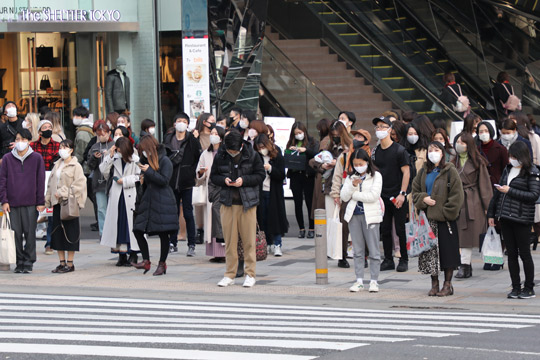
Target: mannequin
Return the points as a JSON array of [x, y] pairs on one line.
[[117, 88]]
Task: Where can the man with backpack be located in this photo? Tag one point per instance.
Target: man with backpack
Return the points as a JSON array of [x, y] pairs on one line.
[[393, 163]]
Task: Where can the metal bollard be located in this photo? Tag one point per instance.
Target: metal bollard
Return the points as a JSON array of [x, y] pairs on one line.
[[321, 260]]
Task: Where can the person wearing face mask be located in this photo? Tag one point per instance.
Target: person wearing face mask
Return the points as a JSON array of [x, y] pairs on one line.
[[212, 232], [437, 190], [416, 146], [513, 204], [8, 129], [221, 121], [205, 123], [119, 168], [239, 172], [271, 214], [361, 192], [97, 153], [22, 192], [256, 128], [84, 134], [302, 182], [393, 162], [472, 169], [67, 179], [31, 122], [347, 118], [184, 151], [117, 88], [245, 120], [58, 131], [48, 149], [509, 135], [234, 117], [124, 121], [148, 127], [441, 136]]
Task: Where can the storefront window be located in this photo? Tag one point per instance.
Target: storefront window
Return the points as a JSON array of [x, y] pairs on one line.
[[170, 64]]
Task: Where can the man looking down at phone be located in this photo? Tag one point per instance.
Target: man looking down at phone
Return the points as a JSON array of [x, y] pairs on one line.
[[239, 171]]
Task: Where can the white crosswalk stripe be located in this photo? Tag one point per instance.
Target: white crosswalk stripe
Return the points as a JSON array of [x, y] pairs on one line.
[[139, 328]]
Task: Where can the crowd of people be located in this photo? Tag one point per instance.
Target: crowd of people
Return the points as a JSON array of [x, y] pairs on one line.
[[220, 184]]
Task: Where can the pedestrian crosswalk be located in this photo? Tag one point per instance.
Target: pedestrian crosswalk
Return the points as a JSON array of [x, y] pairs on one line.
[[159, 329]]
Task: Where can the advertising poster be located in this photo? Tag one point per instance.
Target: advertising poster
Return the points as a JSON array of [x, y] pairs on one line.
[[196, 77]]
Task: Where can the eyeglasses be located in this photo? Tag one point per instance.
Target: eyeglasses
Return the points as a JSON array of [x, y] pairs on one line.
[[382, 128]]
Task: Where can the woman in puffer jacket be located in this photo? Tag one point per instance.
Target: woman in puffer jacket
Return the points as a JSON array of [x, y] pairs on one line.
[[513, 204], [362, 189]]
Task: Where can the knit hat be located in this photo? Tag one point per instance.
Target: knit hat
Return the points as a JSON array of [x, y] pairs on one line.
[[43, 122], [120, 61]]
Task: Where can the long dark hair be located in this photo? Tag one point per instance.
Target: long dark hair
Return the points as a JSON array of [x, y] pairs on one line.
[[323, 127], [262, 140], [362, 154], [472, 150], [423, 138], [468, 123], [520, 151], [221, 133], [149, 145], [429, 165], [126, 149], [292, 140], [447, 144], [345, 139]]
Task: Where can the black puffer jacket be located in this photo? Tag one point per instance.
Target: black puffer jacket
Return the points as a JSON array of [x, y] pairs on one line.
[[518, 204], [183, 176], [250, 169], [157, 211]]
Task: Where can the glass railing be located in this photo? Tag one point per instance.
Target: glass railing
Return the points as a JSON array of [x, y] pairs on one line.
[[293, 90]]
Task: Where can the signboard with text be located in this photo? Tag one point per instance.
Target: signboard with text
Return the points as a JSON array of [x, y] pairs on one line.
[[195, 77]]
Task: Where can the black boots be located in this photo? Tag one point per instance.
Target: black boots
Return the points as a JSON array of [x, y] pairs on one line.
[[464, 271], [122, 260], [434, 286]]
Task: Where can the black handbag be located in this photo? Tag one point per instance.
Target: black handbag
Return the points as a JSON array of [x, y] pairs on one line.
[[45, 83], [295, 160], [44, 56]]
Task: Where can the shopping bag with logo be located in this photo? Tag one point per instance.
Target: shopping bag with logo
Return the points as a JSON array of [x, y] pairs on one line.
[[294, 160], [8, 254], [334, 230], [420, 236], [492, 249]]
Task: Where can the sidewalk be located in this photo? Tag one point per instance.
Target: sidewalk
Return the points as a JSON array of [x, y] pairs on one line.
[[292, 275]]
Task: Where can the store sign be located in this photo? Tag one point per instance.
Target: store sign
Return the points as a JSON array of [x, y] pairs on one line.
[[50, 15], [196, 77]]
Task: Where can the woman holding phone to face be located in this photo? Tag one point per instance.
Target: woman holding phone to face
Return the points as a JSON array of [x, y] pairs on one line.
[[121, 165]]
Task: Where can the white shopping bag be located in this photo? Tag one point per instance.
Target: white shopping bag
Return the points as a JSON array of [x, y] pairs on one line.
[[199, 196], [492, 249], [8, 253], [333, 236]]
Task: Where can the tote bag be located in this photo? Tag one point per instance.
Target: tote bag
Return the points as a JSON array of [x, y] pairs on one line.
[[8, 254], [420, 236], [69, 209], [334, 236], [200, 195], [492, 249]]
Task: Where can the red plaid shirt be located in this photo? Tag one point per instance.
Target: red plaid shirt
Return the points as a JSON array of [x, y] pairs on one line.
[[49, 152]]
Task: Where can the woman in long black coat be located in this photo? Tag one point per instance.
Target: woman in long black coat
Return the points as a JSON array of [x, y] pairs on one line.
[[156, 212], [271, 214]]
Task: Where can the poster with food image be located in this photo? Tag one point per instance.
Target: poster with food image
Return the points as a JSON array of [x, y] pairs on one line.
[[195, 77]]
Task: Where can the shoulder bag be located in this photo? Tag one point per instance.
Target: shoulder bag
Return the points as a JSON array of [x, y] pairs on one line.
[[69, 209]]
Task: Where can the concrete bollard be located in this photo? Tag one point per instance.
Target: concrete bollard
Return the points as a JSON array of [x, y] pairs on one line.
[[321, 260]]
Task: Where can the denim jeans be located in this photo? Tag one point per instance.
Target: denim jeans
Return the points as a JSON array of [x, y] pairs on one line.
[[49, 231], [102, 201]]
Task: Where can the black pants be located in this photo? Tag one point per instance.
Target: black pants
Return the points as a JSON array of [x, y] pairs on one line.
[[90, 193], [302, 189], [516, 237], [143, 245], [344, 230], [186, 196], [400, 218]]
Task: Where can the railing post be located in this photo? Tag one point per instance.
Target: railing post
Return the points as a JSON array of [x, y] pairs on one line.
[[321, 260]]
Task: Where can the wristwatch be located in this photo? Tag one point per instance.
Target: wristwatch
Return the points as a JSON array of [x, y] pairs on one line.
[[403, 193]]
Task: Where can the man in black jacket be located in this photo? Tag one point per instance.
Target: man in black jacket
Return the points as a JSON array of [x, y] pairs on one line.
[[184, 150], [239, 171], [9, 129]]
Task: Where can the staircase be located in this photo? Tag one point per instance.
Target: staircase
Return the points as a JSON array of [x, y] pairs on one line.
[[343, 86]]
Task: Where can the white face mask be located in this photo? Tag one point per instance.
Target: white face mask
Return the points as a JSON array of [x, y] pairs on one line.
[[515, 163], [220, 125], [64, 153], [11, 112], [299, 136], [460, 148], [344, 122], [122, 124], [412, 139], [116, 138], [244, 124], [252, 133], [144, 154], [381, 134], [152, 131], [264, 152], [509, 137], [181, 127], [77, 121], [26, 125], [361, 169], [109, 124], [434, 157], [21, 145], [442, 143], [215, 139], [484, 137]]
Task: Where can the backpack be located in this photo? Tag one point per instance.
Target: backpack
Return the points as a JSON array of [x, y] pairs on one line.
[[462, 103], [512, 103]]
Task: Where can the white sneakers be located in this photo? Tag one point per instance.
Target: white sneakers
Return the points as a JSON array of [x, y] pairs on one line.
[[249, 282], [277, 250], [358, 286], [225, 282]]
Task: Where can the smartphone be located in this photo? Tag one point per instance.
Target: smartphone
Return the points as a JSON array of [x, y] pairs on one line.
[[116, 178], [232, 181], [496, 185]]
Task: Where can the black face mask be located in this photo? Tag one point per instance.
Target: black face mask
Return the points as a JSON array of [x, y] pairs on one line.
[[46, 134], [357, 144], [211, 126], [336, 140]]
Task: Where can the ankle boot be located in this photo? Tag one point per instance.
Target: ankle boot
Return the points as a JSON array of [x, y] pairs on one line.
[[145, 264], [240, 270], [133, 258], [447, 289], [461, 272], [122, 260], [434, 286], [468, 271], [161, 269]]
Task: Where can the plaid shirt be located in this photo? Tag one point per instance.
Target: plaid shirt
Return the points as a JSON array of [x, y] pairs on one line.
[[49, 152]]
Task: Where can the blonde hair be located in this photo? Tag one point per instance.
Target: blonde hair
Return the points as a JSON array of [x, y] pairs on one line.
[[57, 129], [34, 119]]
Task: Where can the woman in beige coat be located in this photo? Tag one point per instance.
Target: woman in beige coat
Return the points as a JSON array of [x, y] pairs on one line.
[[67, 178]]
